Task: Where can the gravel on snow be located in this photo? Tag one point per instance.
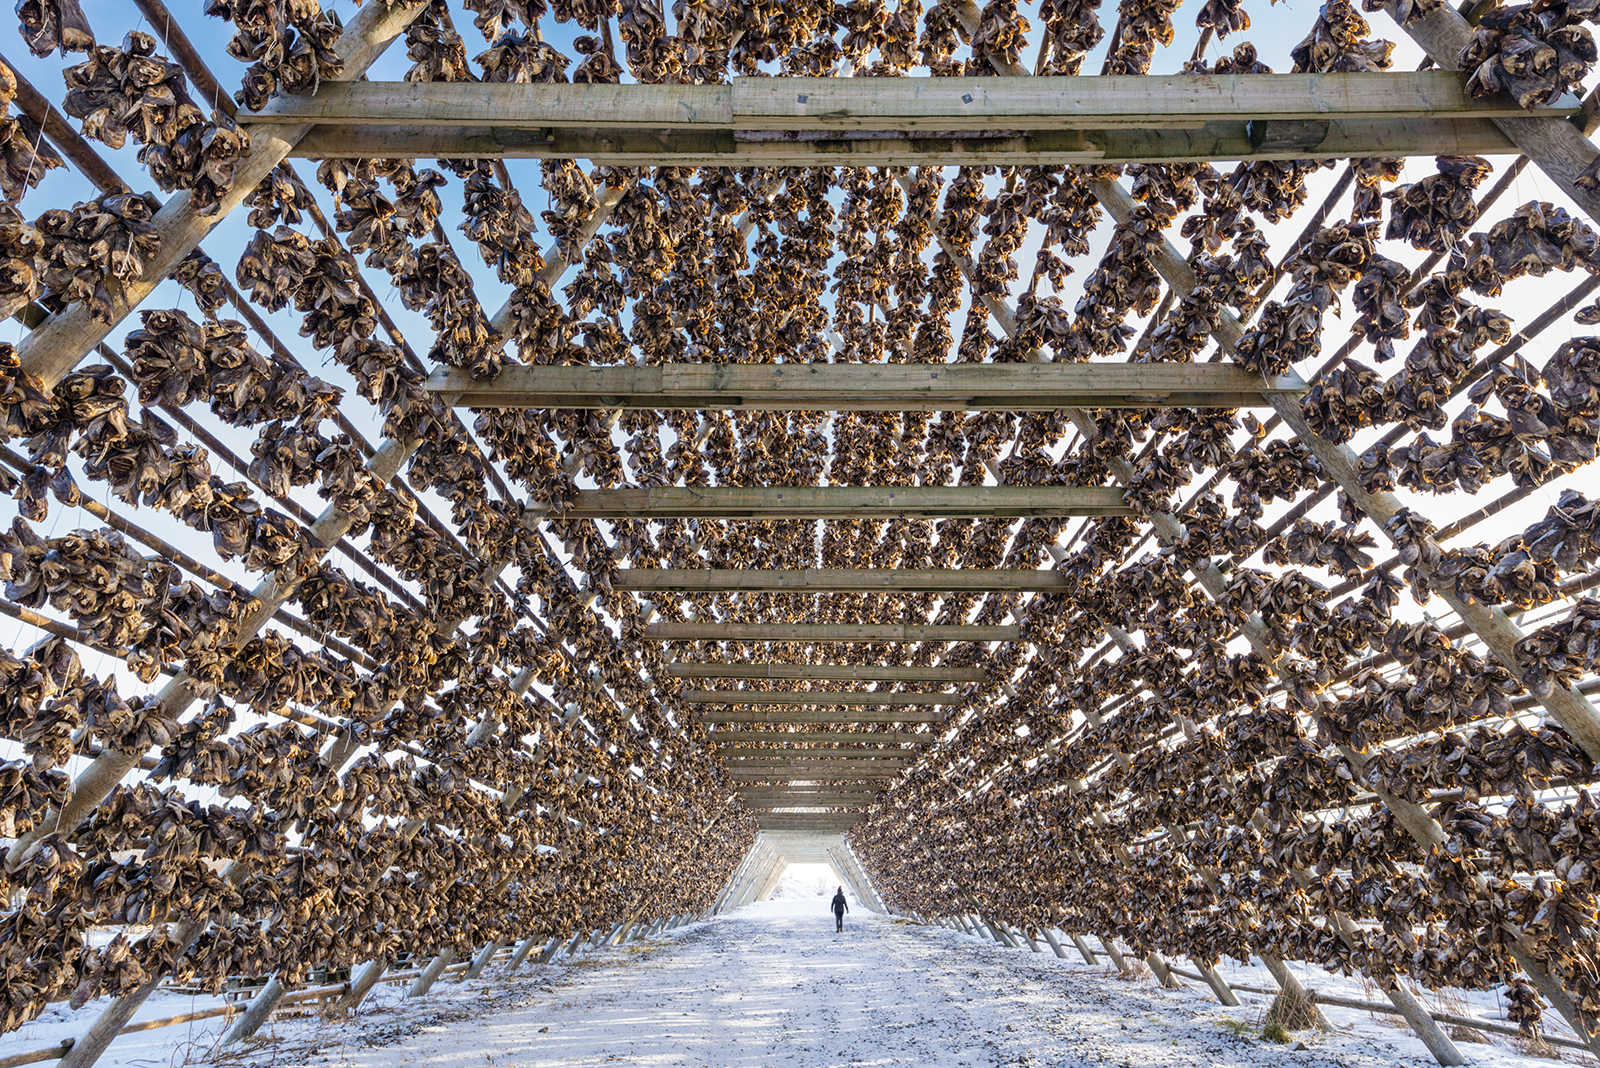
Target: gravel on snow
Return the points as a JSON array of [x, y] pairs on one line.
[[773, 985]]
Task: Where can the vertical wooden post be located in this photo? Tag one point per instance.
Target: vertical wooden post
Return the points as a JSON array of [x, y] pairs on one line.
[[481, 961], [361, 985], [1084, 950], [523, 949], [1294, 991], [261, 1006], [1109, 947], [430, 974]]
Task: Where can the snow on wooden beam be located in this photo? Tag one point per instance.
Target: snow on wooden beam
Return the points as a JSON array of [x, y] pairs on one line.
[[867, 387], [842, 502]]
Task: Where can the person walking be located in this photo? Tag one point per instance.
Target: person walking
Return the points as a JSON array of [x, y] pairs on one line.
[[839, 909]]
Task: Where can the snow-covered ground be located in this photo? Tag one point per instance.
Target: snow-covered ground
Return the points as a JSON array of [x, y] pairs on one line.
[[773, 985]]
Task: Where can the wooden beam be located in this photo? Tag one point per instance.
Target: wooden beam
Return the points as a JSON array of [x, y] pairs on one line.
[[824, 736], [1229, 139], [815, 697], [761, 795], [751, 756], [845, 580], [791, 806], [841, 502], [830, 632], [842, 772], [976, 105], [718, 715], [758, 792], [807, 387], [843, 672]]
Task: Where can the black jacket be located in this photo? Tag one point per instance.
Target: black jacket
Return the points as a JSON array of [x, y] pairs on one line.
[[839, 907]]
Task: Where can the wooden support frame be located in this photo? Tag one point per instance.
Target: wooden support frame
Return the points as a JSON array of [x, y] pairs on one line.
[[830, 632], [845, 580], [841, 698], [801, 387], [833, 672], [769, 503]]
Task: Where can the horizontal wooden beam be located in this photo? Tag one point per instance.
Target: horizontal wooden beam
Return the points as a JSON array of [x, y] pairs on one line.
[[744, 756], [976, 105], [842, 502], [756, 792], [840, 672], [774, 737], [818, 823], [806, 794], [719, 714], [798, 807], [1227, 139], [821, 773], [866, 386], [831, 632], [815, 697], [843, 580]]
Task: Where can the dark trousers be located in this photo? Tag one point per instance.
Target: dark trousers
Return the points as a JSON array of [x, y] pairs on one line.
[[838, 921]]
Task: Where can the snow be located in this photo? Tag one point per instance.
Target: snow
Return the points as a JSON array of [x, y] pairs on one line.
[[773, 985]]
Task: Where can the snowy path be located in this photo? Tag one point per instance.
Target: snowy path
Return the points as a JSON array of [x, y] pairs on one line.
[[773, 985]]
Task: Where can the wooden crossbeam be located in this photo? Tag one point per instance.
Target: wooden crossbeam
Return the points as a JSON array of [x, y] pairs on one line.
[[886, 737], [847, 799], [844, 579], [841, 672], [792, 806], [760, 792], [837, 823], [753, 757], [1227, 139], [866, 386], [842, 772], [816, 697], [900, 104], [842, 502], [830, 632], [720, 714]]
